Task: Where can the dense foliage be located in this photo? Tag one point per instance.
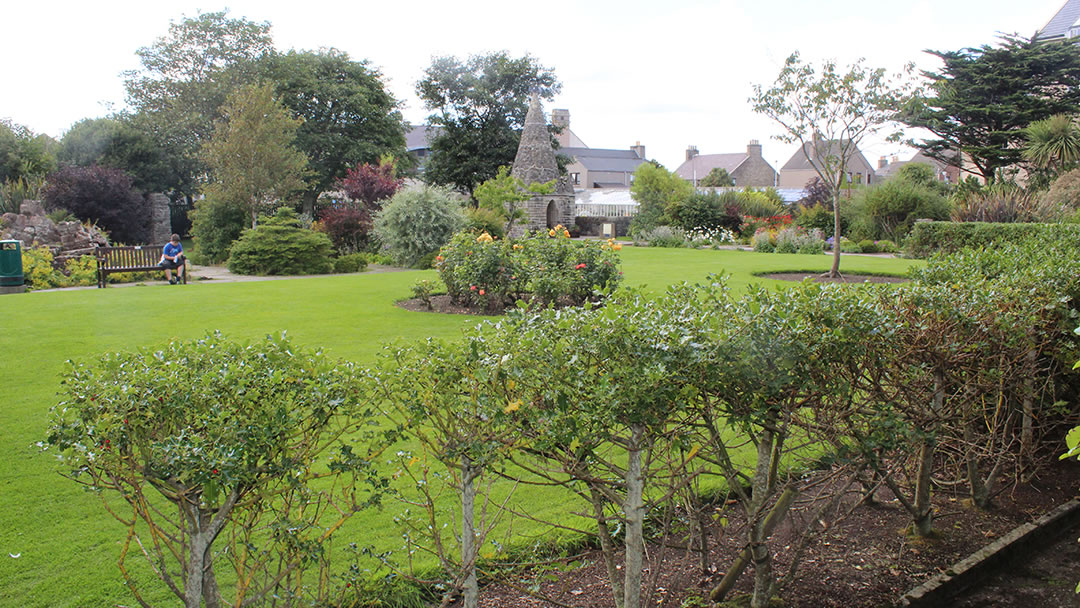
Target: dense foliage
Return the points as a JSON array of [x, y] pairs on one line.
[[228, 435], [216, 222], [888, 210], [416, 222], [655, 189], [549, 268], [104, 197], [931, 237], [281, 245]]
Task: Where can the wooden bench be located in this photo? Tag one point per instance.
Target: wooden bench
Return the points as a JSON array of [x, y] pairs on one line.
[[129, 259]]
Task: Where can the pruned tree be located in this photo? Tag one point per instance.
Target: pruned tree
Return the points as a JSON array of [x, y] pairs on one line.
[[829, 111], [209, 443], [504, 193], [717, 177]]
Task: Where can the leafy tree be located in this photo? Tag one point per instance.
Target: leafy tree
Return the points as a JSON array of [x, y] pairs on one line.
[[888, 210], [655, 188], [717, 177], [828, 113], [348, 224], [709, 210], [349, 116], [481, 105], [23, 154], [185, 78], [983, 98], [215, 223], [103, 196], [369, 184], [236, 439], [84, 144], [504, 193], [417, 221], [251, 151]]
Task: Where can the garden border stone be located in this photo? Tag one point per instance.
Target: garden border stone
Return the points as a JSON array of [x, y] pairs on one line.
[[963, 574]]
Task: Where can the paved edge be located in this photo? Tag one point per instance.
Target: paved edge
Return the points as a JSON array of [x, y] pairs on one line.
[[941, 588]]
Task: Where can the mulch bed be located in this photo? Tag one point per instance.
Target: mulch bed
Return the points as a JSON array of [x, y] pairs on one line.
[[864, 559], [442, 304], [844, 278]]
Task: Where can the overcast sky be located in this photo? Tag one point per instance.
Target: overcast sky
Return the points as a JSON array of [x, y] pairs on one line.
[[667, 74]]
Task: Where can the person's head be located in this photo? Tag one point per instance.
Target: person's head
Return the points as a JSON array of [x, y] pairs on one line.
[[174, 239]]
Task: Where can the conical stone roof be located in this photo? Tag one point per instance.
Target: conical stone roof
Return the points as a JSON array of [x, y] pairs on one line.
[[535, 160]]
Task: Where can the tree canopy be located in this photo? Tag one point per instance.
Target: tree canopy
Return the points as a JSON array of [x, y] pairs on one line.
[[349, 116], [24, 154], [718, 176], [982, 99], [655, 188], [481, 104]]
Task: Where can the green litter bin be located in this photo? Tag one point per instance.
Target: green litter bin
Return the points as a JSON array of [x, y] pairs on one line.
[[11, 270]]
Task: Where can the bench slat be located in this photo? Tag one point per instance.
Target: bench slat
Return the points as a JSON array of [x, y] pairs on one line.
[[128, 259]]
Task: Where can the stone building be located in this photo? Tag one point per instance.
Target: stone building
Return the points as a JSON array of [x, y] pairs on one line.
[[595, 168], [797, 171], [749, 169], [535, 163]]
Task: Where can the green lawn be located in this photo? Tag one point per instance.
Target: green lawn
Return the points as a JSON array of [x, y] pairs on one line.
[[66, 543]]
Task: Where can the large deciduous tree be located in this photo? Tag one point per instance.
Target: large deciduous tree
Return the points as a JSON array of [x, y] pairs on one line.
[[185, 78], [655, 188], [251, 152], [23, 154], [349, 116], [829, 111], [982, 99], [480, 104]]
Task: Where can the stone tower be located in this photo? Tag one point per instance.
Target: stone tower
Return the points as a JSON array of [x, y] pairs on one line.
[[535, 163]]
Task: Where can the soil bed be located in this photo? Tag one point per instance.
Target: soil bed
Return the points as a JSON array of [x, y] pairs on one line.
[[864, 559], [844, 278], [443, 304]]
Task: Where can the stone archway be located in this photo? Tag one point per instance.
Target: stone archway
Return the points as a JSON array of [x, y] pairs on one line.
[[552, 214]]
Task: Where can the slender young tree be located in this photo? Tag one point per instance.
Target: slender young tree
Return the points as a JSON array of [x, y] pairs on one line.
[[829, 112], [251, 151]]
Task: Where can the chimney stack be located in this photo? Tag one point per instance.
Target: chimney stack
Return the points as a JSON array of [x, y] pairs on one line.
[[560, 118], [882, 163], [691, 152], [753, 149], [638, 149]]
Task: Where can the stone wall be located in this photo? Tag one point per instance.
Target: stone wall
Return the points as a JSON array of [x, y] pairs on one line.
[[160, 219], [34, 229], [593, 226], [754, 173]]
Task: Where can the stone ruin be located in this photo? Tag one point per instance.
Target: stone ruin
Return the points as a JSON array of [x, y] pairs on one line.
[[535, 163], [67, 240]]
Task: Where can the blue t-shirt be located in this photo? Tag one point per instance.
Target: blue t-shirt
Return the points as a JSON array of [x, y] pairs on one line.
[[172, 250]]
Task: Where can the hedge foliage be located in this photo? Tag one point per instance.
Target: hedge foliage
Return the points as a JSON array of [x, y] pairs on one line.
[[927, 238]]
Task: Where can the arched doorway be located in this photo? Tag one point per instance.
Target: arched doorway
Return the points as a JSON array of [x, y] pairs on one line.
[[552, 214]]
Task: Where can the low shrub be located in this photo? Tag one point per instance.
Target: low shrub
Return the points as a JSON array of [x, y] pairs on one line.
[[795, 239], [40, 272], [763, 241], [418, 221], [280, 245], [887, 246], [869, 246], [481, 220], [663, 236], [353, 262], [423, 290], [927, 238], [348, 225], [549, 268]]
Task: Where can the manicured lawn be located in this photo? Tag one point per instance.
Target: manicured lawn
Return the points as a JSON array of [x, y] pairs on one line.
[[66, 543]]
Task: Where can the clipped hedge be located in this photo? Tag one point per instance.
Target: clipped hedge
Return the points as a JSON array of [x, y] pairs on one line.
[[927, 238]]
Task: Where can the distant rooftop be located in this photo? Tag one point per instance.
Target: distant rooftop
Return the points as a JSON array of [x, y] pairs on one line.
[[1064, 23]]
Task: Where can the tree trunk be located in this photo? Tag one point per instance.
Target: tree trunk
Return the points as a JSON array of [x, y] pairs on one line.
[[607, 545], [980, 494], [775, 516], [470, 586], [759, 549], [634, 509], [835, 272], [308, 205], [211, 592], [1027, 425], [924, 510]]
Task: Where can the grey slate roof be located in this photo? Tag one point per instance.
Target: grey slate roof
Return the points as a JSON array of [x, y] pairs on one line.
[[604, 159], [701, 164], [1059, 25], [418, 138]]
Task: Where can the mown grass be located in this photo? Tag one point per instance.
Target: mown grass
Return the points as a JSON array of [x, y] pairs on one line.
[[67, 545]]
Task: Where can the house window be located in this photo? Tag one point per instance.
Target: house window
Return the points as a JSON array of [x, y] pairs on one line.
[[849, 177], [631, 178], [576, 178]]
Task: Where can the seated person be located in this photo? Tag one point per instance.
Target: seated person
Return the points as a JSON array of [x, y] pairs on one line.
[[172, 256]]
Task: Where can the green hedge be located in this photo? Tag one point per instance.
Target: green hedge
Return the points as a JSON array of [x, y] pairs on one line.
[[927, 238]]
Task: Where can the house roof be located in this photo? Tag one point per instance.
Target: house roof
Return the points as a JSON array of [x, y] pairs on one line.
[[419, 137], [1062, 21], [604, 159], [799, 161], [920, 157], [702, 164]]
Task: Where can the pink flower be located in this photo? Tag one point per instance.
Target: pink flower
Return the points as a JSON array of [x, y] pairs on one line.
[[472, 287], [579, 266], [481, 292]]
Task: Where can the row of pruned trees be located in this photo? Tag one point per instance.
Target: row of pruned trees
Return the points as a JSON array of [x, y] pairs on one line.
[[635, 406]]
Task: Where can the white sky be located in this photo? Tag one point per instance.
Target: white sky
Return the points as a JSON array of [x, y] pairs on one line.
[[667, 74]]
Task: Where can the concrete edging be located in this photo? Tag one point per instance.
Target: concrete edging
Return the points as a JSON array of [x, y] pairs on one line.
[[973, 568]]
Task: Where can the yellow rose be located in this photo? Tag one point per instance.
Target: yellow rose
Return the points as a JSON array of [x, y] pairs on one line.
[[513, 406], [551, 232], [617, 247]]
